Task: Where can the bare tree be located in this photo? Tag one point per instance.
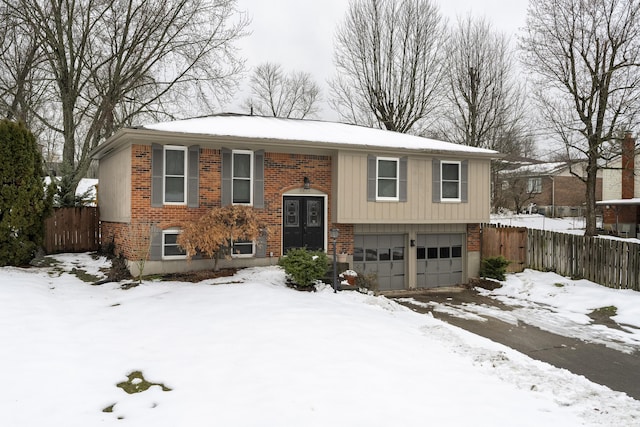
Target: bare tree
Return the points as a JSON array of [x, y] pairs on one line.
[[585, 55], [107, 63], [487, 103], [389, 59], [21, 76], [277, 94]]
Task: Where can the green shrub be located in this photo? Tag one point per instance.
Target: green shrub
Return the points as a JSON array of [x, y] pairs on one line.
[[304, 267], [24, 204], [494, 267]]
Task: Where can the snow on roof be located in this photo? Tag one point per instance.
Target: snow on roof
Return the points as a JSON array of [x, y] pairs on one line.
[[539, 168], [259, 127]]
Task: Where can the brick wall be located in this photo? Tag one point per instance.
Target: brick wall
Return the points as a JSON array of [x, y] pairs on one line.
[[282, 172], [569, 191], [473, 237]]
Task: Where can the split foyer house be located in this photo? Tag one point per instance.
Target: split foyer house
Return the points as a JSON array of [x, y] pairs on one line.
[[408, 209]]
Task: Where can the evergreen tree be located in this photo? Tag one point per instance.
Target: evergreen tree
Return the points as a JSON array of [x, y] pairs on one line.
[[23, 203]]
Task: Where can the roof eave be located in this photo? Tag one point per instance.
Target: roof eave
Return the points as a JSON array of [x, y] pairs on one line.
[[123, 136]]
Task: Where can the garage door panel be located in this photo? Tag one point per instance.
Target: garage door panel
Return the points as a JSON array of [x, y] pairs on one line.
[[439, 259], [382, 255]]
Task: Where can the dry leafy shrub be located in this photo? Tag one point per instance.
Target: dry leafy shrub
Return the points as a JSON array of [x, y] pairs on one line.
[[213, 233]]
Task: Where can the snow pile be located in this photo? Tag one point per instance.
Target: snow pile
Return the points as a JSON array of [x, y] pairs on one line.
[[560, 305], [246, 351]]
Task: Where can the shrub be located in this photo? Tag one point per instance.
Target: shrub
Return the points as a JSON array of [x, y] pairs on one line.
[[304, 267], [494, 267], [23, 202], [213, 233]]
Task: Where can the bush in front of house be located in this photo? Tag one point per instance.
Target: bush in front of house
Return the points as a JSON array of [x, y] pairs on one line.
[[214, 232], [304, 267], [494, 267], [24, 203]]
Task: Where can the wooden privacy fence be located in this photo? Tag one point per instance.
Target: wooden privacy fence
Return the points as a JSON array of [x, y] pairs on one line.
[[610, 262], [510, 242], [72, 230]]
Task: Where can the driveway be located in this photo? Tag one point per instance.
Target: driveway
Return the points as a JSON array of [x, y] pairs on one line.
[[615, 369]]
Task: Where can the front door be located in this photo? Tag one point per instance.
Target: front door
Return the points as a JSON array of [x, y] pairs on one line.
[[303, 222]]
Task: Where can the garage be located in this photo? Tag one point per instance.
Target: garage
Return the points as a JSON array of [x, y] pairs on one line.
[[439, 260], [382, 255]]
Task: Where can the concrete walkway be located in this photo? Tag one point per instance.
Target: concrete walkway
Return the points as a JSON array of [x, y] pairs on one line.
[[616, 370]]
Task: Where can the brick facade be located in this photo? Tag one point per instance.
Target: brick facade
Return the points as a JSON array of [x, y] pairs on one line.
[[282, 172]]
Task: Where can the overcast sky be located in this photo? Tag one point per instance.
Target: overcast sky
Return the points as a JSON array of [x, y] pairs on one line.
[[298, 34]]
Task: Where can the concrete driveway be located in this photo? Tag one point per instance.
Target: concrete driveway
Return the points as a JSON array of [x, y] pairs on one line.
[[603, 365]]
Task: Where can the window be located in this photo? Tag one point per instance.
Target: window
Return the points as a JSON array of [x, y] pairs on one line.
[[387, 178], [170, 247], [242, 177], [450, 173], [175, 180], [534, 185], [240, 248]]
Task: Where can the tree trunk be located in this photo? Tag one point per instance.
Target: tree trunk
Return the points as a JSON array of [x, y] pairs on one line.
[[590, 197]]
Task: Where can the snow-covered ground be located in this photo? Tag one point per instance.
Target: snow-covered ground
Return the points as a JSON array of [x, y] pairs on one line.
[[248, 351], [572, 225], [559, 305]]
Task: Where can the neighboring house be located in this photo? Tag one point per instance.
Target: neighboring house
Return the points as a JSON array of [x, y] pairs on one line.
[[621, 192], [550, 187], [408, 209]]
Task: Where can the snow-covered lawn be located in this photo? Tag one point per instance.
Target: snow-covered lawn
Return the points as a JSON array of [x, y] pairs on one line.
[[248, 351], [571, 225]]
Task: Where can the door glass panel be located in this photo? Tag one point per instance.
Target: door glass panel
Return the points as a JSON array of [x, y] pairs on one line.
[[422, 252], [358, 254], [313, 213], [456, 252], [372, 254], [444, 253], [291, 218], [432, 253], [398, 253], [384, 254]]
